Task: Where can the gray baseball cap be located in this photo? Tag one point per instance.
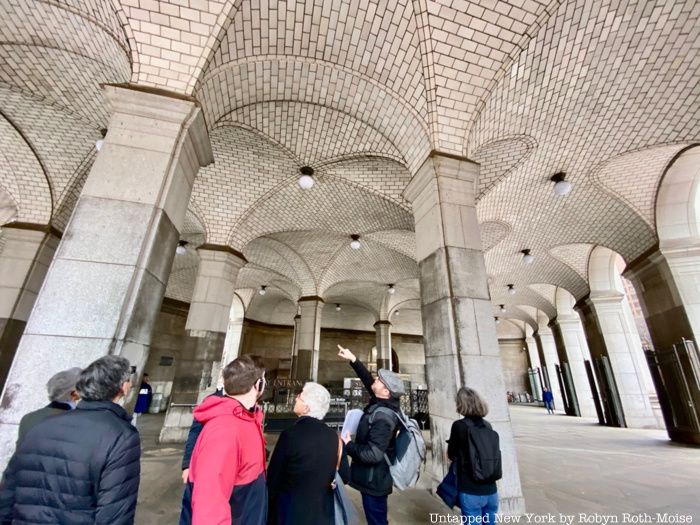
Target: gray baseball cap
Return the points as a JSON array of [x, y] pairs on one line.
[[392, 382]]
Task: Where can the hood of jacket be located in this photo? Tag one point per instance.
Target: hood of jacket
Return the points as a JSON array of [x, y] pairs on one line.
[[215, 406]]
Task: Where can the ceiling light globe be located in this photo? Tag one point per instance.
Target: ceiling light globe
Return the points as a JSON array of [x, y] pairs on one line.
[[98, 144], [563, 187], [180, 250], [528, 259], [262, 291], [391, 290], [503, 309], [355, 245], [511, 291], [337, 308], [306, 182]]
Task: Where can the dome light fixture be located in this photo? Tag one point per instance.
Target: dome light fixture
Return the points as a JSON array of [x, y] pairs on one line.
[[511, 289], [338, 307], [497, 319], [396, 313], [503, 308], [306, 181], [181, 247], [391, 289], [355, 243], [528, 258], [561, 185], [100, 142], [263, 290]]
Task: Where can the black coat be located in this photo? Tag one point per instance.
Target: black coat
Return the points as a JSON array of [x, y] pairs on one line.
[[77, 468], [55, 408], [300, 473], [369, 472], [458, 450]]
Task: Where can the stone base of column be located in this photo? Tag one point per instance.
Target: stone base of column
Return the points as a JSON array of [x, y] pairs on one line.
[[11, 331], [302, 365], [193, 381]]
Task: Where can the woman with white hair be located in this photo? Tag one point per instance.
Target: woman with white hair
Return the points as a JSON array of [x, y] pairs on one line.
[[302, 467]]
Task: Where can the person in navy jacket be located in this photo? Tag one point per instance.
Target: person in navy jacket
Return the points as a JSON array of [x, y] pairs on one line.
[[143, 401]]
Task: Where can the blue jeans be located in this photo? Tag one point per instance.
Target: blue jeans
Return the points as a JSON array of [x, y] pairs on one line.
[[186, 511], [375, 509], [480, 509]]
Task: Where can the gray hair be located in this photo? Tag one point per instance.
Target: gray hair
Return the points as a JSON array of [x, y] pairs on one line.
[[62, 385], [102, 379], [470, 403], [317, 398]]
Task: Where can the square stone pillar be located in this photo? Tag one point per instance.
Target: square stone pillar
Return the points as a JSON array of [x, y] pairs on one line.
[[576, 350], [207, 324], [550, 360], [24, 261], [295, 346], [106, 283], [624, 350], [383, 329], [308, 339], [667, 288], [459, 333]]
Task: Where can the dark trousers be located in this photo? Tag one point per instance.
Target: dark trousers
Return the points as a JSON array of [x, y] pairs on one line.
[[186, 512], [375, 509]]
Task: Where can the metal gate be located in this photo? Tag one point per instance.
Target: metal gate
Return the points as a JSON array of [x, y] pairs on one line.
[[676, 375], [612, 407], [594, 391]]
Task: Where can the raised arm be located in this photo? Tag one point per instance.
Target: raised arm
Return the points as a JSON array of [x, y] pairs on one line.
[[360, 369]]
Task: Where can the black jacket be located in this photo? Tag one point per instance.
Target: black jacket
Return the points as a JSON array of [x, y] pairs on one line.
[[369, 472], [300, 473], [77, 468], [55, 408], [458, 450]]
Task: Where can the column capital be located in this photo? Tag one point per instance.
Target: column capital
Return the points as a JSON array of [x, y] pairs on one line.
[[310, 298], [440, 165], [223, 249], [609, 297], [36, 227]]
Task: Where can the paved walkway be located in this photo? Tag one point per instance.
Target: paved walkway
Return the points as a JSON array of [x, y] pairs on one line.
[[569, 466]]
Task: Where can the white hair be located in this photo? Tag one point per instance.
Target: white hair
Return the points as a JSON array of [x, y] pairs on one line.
[[317, 398]]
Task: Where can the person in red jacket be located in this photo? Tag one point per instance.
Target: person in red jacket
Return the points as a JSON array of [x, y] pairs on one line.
[[227, 469]]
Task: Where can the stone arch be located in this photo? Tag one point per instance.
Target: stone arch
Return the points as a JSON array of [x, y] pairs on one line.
[[604, 267], [678, 200]]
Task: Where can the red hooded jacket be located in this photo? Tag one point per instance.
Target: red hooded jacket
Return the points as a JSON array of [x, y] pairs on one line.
[[227, 470]]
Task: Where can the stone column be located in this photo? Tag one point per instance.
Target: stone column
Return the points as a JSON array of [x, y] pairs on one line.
[[308, 339], [383, 329], [576, 352], [24, 261], [550, 360], [295, 345], [207, 324], [624, 350], [105, 285], [535, 367], [461, 346]]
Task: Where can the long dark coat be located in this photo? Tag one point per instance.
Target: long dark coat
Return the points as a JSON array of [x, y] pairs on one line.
[[300, 473]]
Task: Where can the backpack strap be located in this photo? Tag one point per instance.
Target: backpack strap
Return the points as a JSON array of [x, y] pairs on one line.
[[378, 409]]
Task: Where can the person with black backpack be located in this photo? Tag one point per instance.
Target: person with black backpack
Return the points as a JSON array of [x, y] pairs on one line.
[[475, 449], [375, 439]]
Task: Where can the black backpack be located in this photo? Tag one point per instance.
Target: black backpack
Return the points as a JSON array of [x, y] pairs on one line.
[[484, 452]]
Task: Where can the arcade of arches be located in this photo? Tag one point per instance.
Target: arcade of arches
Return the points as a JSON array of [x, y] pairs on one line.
[[149, 192]]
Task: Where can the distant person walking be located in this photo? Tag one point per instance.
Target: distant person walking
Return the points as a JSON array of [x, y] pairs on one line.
[[143, 401], [62, 398], [473, 441], [548, 399], [302, 466], [83, 466]]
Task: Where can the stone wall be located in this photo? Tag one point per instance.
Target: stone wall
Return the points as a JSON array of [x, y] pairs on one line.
[[273, 343], [514, 361]]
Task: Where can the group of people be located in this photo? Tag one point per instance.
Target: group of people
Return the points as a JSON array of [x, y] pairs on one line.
[[78, 459]]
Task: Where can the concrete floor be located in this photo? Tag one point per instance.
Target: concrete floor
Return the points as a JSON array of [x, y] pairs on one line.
[[568, 466]]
